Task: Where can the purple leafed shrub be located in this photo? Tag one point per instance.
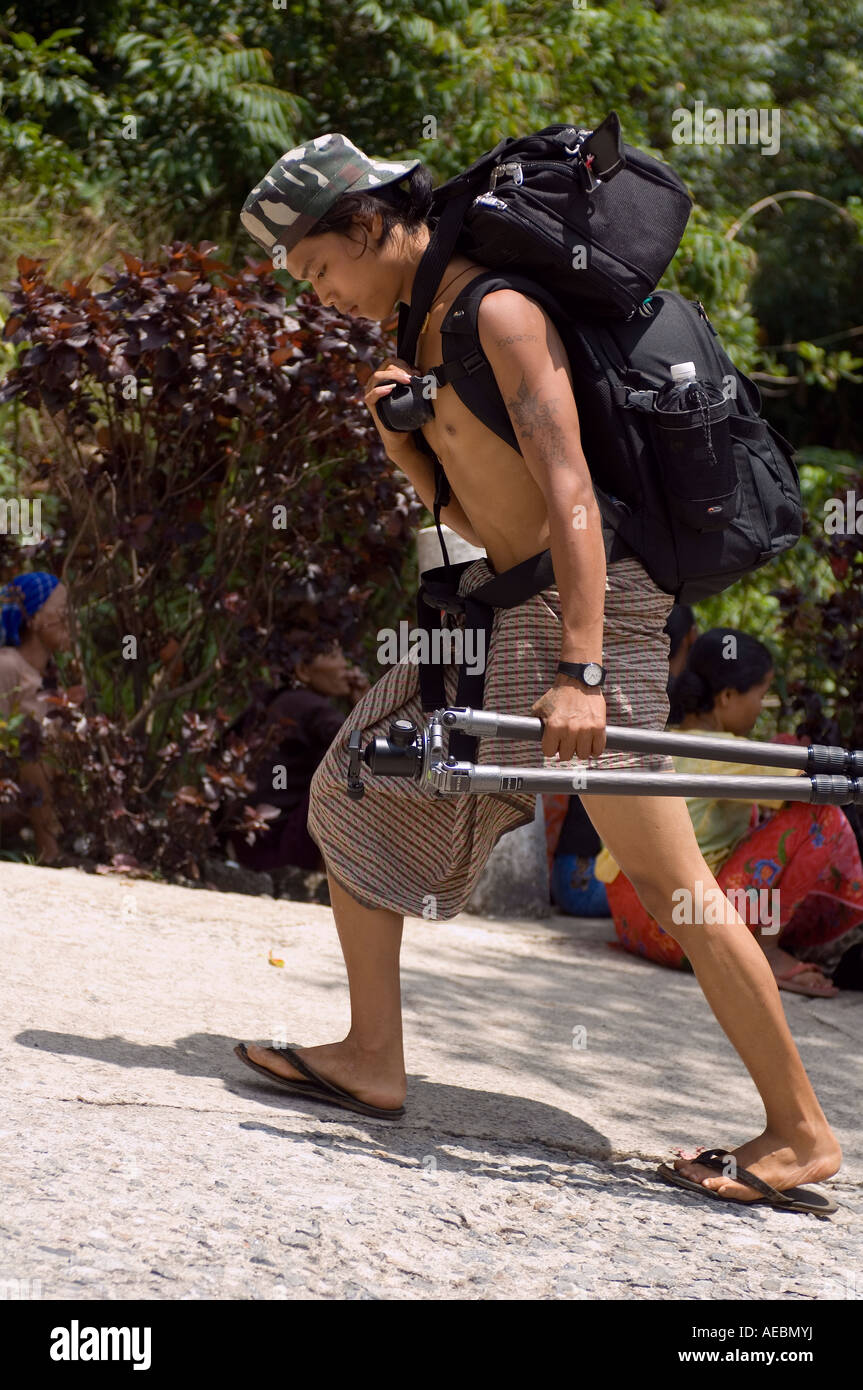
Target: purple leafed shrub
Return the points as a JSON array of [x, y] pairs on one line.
[[222, 507]]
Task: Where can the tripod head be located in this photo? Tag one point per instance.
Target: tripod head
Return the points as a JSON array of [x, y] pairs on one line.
[[405, 753]]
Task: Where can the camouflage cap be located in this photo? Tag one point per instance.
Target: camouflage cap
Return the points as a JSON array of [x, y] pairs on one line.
[[306, 181]]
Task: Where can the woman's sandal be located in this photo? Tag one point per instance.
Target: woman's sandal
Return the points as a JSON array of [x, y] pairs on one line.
[[785, 981], [792, 1199]]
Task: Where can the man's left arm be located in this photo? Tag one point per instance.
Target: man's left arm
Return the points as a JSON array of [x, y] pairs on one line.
[[529, 362], [530, 365]]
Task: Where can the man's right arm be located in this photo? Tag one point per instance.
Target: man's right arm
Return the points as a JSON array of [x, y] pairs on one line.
[[403, 452], [419, 467]]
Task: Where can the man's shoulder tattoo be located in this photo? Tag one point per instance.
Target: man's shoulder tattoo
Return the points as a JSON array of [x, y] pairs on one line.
[[535, 420]]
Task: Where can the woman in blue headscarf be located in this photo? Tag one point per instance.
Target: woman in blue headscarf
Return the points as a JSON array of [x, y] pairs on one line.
[[33, 625]]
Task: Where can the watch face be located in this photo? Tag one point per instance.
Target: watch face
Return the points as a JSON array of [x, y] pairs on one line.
[[592, 673]]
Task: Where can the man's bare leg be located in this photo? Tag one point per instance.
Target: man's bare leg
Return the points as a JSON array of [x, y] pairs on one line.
[[653, 842], [369, 1062]]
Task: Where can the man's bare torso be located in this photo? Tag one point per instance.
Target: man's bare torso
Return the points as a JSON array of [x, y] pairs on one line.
[[490, 480]]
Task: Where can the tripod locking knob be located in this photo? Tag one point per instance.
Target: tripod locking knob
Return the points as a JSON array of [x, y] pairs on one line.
[[402, 732]]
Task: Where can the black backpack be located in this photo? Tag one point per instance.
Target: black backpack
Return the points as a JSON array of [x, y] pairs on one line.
[[702, 497], [595, 220]]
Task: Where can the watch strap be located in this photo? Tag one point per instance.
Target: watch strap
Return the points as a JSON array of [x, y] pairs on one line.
[[576, 668]]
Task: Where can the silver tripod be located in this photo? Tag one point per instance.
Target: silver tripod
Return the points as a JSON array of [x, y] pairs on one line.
[[831, 774]]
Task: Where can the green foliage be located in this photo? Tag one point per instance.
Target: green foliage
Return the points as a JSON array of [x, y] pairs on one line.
[[719, 272], [169, 116], [218, 92], [192, 114], [36, 81]]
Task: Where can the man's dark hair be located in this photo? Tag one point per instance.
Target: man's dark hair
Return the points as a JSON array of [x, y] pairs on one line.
[[398, 205]]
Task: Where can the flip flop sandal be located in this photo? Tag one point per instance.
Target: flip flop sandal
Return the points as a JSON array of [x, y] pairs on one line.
[[317, 1087], [783, 981], [792, 1199]]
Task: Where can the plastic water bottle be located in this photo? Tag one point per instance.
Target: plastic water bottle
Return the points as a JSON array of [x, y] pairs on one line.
[[686, 393], [682, 373], [680, 395]]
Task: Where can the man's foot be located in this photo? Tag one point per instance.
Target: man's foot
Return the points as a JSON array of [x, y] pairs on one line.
[[810, 980], [376, 1078], [769, 1157]]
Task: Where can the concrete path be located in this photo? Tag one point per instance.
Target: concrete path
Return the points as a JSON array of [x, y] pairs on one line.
[[548, 1075]]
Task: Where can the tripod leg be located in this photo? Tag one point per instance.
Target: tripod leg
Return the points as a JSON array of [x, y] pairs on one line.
[[653, 842]]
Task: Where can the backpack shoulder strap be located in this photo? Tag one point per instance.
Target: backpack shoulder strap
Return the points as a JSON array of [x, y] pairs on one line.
[[465, 362], [460, 324], [465, 365]]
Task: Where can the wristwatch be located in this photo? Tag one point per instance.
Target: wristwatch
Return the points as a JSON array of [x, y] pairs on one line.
[[588, 671]]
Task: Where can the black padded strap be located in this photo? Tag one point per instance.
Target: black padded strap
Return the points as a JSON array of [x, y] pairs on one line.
[[435, 259], [442, 495], [463, 366]]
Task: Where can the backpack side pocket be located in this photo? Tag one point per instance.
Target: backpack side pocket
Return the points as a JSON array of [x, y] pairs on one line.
[[697, 465]]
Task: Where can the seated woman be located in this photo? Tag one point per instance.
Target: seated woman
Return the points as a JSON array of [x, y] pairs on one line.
[[311, 721], [33, 625], [807, 852]]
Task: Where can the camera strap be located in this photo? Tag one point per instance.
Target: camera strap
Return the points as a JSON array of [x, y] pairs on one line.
[[439, 590]]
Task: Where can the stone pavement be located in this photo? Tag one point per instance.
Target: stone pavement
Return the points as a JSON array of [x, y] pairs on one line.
[[547, 1076]]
